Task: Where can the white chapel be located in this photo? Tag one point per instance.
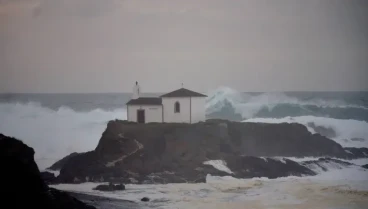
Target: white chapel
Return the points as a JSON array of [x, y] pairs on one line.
[[179, 106]]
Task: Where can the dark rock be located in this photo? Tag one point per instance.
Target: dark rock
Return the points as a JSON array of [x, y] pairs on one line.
[[104, 202], [145, 199], [358, 139], [250, 167], [326, 163], [104, 187], [64, 200], [289, 140], [354, 152], [119, 187], [365, 166], [48, 177], [21, 180], [324, 131], [110, 187], [59, 164], [174, 153]]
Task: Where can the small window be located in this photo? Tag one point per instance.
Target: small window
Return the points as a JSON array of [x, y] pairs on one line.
[[177, 107]]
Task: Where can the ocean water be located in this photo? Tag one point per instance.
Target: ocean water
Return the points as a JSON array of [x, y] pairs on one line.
[[58, 124]]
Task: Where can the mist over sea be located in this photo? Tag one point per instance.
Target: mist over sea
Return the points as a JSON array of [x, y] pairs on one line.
[[56, 125]]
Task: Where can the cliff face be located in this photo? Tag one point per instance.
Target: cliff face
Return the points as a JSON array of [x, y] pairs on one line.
[[21, 182], [162, 153]]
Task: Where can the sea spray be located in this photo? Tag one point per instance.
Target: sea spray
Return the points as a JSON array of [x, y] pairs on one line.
[[55, 134]]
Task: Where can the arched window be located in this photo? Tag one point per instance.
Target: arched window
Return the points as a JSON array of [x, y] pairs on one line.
[[177, 107]]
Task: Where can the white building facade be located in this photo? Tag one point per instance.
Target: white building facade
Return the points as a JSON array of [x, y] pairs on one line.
[[180, 106]]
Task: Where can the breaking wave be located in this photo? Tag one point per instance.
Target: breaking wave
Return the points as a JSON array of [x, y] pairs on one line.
[[235, 105]]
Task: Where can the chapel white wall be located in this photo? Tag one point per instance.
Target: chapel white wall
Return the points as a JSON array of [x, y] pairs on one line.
[[169, 109], [198, 109], [153, 113]]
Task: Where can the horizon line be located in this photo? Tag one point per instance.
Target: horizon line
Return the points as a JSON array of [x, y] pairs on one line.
[[121, 92]]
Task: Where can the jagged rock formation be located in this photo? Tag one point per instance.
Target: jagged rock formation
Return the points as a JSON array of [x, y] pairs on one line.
[[59, 164], [165, 153], [21, 183], [354, 152], [250, 167], [110, 187]]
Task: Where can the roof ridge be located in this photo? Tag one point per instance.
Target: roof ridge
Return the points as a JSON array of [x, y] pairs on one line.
[[183, 92], [145, 101]]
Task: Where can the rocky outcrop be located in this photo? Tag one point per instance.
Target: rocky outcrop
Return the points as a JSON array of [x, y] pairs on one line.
[[102, 202], [354, 152], [250, 167], [110, 187], [48, 177], [324, 164], [21, 183], [165, 153], [59, 164], [145, 199], [324, 131]]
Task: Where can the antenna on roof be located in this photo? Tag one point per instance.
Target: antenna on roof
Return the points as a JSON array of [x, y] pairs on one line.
[[182, 85]]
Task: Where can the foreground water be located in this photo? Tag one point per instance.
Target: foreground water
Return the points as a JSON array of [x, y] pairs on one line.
[[226, 192]]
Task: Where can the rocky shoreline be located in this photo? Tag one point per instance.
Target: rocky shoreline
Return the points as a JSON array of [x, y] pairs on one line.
[[22, 185], [175, 153], [168, 153], [104, 202]]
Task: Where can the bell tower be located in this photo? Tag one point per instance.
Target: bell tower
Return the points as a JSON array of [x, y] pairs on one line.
[[136, 91]]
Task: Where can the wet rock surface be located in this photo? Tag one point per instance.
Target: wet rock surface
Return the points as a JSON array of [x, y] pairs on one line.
[[101, 202], [59, 164], [48, 177], [354, 152], [110, 187], [250, 167], [20, 180], [174, 153], [324, 131]]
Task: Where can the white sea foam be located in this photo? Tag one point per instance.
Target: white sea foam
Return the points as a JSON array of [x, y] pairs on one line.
[[322, 191], [338, 187], [281, 159], [56, 173], [219, 165], [362, 161], [345, 129], [55, 134]]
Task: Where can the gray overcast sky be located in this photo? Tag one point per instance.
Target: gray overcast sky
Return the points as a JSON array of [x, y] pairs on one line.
[[249, 45]]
